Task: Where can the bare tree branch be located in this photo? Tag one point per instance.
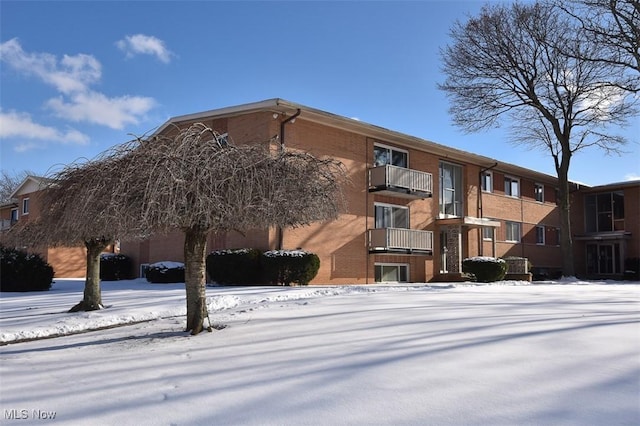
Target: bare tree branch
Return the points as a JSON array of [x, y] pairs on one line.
[[532, 66]]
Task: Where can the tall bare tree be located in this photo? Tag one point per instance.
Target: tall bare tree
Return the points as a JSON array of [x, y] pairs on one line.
[[614, 26], [524, 64], [200, 183]]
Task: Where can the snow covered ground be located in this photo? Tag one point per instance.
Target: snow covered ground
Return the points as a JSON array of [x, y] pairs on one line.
[[503, 354]]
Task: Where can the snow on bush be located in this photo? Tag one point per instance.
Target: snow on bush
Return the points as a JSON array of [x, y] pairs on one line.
[[165, 272], [115, 266], [485, 269], [290, 266]]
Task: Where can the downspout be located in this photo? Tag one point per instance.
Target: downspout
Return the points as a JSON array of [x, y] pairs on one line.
[[480, 241], [282, 124], [282, 147]]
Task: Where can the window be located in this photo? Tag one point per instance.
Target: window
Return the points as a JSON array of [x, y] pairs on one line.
[[390, 216], [14, 215], [450, 189], [511, 186], [604, 212], [487, 181], [385, 155], [540, 235], [487, 233], [391, 272], [25, 206], [539, 192], [513, 232]]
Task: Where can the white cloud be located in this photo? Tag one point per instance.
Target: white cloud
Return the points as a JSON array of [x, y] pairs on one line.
[[94, 107], [71, 74], [145, 45], [20, 125], [632, 176]]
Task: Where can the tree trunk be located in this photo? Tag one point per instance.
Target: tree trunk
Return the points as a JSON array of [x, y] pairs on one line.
[[195, 246], [566, 240], [92, 300]]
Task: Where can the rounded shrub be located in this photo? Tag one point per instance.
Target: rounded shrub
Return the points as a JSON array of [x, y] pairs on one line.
[[22, 271], [288, 267], [235, 266], [165, 272], [115, 267], [485, 269]]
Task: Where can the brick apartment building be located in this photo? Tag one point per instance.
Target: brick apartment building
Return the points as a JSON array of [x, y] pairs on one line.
[[67, 262], [415, 208]]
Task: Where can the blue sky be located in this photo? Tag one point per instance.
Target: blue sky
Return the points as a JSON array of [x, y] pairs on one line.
[[78, 77]]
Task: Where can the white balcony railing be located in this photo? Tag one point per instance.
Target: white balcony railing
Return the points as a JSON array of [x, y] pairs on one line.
[[397, 239], [400, 178]]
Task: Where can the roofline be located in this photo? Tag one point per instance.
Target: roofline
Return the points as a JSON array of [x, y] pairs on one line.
[[282, 106], [37, 179], [614, 185]]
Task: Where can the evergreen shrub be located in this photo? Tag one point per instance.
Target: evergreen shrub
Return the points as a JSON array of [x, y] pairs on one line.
[[235, 266], [485, 269], [22, 271], [165, 272], [290, 266], [115, 267]]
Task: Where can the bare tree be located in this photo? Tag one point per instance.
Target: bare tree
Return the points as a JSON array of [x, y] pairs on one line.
[[614, 26], [507, 64], [192, 180], [79, 207], [200, 183]]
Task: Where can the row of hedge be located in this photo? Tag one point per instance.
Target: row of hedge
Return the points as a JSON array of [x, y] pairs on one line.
[[252, 266]]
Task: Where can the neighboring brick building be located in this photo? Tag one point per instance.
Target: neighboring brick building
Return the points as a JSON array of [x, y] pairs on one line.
[[67, 262], [415, 208], [606, 224]]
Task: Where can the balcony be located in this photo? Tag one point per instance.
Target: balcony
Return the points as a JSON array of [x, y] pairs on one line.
[[400, 182], [385, 240]]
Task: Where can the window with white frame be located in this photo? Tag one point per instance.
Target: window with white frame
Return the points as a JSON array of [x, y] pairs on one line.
[[386, 155], [539, 192], [451, 189], [487, 181], [512, 186], [487, 233], [25, 206], [391, 272], [540, 231], [14, 215], [391, 216], [512, 230]]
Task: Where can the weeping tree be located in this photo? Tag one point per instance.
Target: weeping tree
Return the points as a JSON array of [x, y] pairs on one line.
[[525, 64], [80, 208], [197, 182]]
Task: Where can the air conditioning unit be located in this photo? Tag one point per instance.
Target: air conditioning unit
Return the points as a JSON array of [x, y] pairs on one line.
[[143, 270]]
